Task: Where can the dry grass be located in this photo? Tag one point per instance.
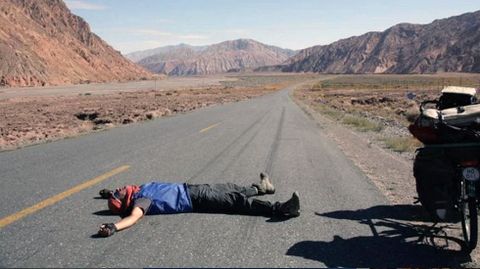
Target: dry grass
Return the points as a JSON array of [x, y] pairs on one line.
[[384, 96], [402, 144], [272, 80], [361, 123], [393, 82], [329, 112], [370, 102]]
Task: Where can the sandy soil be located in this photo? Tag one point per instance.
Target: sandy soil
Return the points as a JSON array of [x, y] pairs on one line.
[[28, 120]]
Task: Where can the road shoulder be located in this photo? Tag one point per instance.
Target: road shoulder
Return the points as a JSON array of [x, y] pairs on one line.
[[390, 172]]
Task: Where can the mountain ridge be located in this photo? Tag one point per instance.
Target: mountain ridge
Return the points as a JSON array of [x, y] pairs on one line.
[[43, 43], [445, 45], [231, 55]]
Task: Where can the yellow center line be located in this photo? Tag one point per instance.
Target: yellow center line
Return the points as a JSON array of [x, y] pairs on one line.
[[57, 198], [209, 127]]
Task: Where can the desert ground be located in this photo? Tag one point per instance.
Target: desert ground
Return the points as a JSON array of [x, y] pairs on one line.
[[378, 106], [36, 115], [381, 105]]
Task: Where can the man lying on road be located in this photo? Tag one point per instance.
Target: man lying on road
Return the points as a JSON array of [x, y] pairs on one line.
[[165, 198]]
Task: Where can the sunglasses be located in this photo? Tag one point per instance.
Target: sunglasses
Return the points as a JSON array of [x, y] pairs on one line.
[[116, 195]]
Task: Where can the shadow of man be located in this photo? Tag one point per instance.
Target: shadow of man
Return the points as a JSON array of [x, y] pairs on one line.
[[395, 242]]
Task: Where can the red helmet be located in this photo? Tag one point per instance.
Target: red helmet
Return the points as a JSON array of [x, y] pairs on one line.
[[122, 198]]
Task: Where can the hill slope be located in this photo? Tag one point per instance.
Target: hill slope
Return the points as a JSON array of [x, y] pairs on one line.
[[218, 58], [447, 45], [43, 43]]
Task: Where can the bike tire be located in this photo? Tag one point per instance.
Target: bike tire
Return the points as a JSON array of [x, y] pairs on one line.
[[470, 223]]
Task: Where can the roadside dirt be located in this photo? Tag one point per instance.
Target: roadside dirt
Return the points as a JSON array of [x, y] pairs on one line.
[[35, 115], [162, 83], [391, 172], [30, 120]]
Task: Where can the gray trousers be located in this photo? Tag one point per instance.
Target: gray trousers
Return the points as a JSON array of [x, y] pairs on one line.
[[228, 198]]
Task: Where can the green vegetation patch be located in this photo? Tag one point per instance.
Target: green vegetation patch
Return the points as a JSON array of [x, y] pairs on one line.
[[362, 124], [330, 112], [262, 80], [392, 82], [402, 144], [359, 122]]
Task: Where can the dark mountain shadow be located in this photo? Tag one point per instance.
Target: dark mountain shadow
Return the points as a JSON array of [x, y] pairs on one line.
[[395, 242]]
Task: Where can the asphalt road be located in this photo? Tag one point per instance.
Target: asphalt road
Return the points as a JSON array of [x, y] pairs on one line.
[[228, 143]]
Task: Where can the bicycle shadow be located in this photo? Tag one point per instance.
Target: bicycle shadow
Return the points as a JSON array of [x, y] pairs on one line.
[[395, 241]]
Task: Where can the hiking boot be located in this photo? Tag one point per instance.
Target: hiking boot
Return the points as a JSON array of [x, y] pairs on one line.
[[290, 208], [105, 193], [265, 186]]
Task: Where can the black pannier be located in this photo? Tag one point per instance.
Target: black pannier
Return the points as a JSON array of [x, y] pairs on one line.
[[435, 171], [435, 181]]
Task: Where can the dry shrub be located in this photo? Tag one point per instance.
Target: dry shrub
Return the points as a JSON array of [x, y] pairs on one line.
[[402, 144], [362, 124], [412, 114]]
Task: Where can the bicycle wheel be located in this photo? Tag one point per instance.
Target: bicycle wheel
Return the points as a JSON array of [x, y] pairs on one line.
[[469, 223]]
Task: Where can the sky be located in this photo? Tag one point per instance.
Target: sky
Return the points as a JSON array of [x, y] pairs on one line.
[[134, 25]]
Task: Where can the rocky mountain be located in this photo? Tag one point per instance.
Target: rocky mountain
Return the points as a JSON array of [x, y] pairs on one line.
[[171, 50], [446, 45], [223, 57], [43, 43]]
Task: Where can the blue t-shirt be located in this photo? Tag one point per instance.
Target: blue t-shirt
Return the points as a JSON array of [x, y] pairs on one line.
[[166, 198]]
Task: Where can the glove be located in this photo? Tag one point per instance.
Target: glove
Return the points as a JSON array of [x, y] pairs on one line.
[[107, 229]]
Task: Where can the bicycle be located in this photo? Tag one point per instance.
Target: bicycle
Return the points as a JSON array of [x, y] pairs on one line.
[[447, 171]]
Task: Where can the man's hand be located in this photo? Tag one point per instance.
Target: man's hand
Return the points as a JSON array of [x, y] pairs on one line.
[[107, 229]]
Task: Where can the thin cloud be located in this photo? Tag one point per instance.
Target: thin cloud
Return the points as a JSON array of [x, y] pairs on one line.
[[236, 31], [149, 32], [150, 38], [164, 21], [80, 4], [152, 33], [192, 37]]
